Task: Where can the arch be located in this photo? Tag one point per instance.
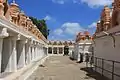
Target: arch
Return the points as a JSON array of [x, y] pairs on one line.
[[50, 50]]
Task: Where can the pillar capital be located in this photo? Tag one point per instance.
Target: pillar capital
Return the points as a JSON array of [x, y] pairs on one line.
[[4, 33]]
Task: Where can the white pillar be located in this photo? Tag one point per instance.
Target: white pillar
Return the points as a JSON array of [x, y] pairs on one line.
[[33, 50], [57, 50], [21, 54], [1, 46], [14, 55], [36, 52], [40, 52], [52, 50], [28, 53], [63, 50], [9, 55], [3, 34], [47, 51]]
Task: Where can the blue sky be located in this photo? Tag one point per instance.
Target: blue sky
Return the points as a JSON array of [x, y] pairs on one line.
[[65, 18]]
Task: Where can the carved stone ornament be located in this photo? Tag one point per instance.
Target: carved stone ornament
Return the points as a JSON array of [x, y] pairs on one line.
[[4, 33], [22, 19], [14, 12], [1, 8]]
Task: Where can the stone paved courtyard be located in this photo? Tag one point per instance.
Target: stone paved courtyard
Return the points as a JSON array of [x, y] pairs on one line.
[[62, 68]]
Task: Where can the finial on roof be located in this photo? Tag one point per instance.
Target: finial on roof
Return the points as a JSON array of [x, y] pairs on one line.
[[14, 1]]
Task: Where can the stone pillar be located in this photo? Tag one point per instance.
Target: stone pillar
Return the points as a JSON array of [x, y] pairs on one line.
[[21, 53], [52, 50], [47, 51], [63, 50], [13, 56], [1, 46], [33, 51], [36, 52], [57, 50], [9, 59], [39, 51], [3, 34], [28, 53]]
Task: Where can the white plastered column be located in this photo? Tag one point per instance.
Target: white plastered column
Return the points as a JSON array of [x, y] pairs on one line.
[[21, 53], [42, 51], [52, 50], [9, 58], [14, 56], [47, 51], [3, 34], [36, 52], [57, 50], [1, 46], [33, 50], [28, 52], [63, 50]]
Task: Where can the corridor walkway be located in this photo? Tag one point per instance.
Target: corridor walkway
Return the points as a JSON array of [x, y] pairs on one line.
[[62, 68]]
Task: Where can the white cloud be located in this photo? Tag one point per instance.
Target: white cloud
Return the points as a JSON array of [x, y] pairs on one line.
[[58, 32], [67, 30], [72, 28], [59, 1], [93, 25], [97, 3], [48, 18]]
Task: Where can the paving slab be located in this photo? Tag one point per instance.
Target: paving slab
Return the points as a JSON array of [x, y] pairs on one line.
[[62, 68]]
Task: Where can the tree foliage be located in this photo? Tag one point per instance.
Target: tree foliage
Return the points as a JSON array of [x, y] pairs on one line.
[[41, 25]]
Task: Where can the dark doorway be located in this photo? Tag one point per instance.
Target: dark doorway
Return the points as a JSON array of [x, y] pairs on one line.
[[50, 50], [66, 50], [60, 50], [55, 50]]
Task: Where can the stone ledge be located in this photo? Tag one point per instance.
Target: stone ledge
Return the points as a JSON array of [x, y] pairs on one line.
[[25, 72]]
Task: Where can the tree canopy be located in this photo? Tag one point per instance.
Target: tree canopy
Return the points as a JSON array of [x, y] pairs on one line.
[[41, 25]]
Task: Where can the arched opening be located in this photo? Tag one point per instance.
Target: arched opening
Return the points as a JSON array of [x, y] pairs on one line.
[[60, 50], [66, 50], [49, 50], [55, 50]]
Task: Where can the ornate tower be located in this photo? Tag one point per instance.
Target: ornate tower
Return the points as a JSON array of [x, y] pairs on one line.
[[105, 18], [2, 8], [14, 12], [116, 13], [106, 23], [22, 19]]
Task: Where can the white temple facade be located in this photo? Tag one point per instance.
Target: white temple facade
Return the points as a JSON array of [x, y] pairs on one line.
[[21, 42], [82, 46], [58, 47]]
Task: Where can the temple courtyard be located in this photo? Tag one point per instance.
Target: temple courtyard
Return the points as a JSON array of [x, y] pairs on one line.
[[62, 68]]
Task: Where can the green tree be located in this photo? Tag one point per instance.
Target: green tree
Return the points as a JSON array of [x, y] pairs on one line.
[[41, 25]]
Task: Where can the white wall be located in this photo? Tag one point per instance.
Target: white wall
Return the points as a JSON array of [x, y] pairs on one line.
[[104, 48]]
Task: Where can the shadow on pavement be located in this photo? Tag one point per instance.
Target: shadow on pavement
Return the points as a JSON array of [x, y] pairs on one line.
[[90, 73]]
